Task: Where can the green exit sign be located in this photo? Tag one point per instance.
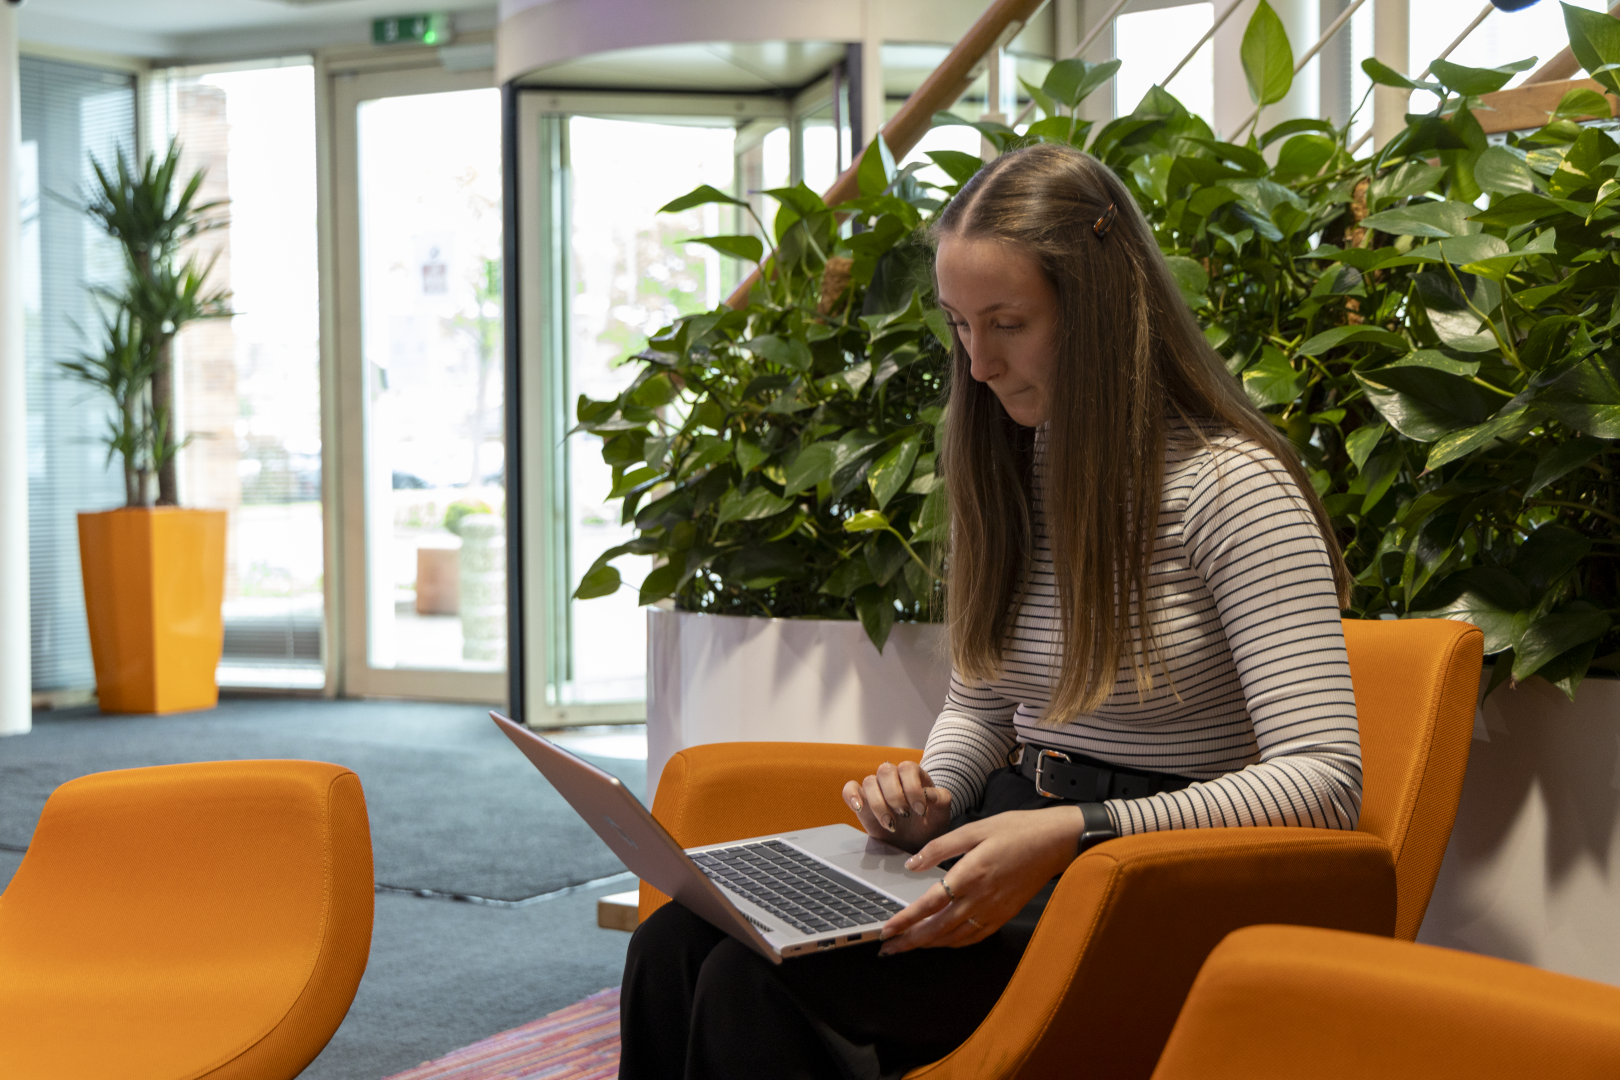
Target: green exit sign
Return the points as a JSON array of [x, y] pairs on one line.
[[411, 30]]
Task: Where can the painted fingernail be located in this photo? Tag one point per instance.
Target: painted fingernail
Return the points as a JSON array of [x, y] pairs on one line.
[[885, 951], [888, 823], [919, 809], [904, 812], [911, 863], [856, 803]]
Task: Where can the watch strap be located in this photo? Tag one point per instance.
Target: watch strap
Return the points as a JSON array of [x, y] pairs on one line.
[[1098, 825]]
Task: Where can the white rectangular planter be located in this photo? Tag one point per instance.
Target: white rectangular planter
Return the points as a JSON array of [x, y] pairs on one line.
[[732, 678], [1532, 872]]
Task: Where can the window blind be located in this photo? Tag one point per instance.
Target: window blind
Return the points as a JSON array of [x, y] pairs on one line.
[[69, 114]]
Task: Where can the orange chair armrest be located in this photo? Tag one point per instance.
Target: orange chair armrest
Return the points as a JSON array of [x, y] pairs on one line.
[[729, 791], [1129, 925]]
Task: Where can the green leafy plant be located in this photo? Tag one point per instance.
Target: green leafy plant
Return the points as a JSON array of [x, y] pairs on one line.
[[778, 459], [134, 369], [464, 508], [1434, 327]]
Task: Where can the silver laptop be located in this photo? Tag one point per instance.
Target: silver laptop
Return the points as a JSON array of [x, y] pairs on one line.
[[784, 895]]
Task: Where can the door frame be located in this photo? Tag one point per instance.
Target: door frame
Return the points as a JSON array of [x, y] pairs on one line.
[[346, 90], [539, 400]]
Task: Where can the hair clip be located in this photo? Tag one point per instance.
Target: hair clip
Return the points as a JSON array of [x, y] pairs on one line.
[[1106, 222]]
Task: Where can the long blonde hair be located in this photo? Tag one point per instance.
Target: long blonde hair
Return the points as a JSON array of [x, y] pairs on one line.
[[1130, 357]]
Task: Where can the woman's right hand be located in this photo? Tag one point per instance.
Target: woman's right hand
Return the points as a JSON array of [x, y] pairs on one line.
[[900, 805]]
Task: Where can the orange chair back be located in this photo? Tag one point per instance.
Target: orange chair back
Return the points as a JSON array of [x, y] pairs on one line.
[[1416, 683], [1281, 1002], [188, 921]]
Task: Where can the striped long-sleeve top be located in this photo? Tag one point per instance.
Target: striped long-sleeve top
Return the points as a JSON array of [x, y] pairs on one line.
[[1257, 706]]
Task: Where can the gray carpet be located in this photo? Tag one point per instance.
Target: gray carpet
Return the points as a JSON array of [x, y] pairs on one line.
[[454, 809]]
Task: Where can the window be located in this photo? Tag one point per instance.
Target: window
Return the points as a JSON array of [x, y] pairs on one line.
[[1151, 43], [248, 387], [1502, 38]]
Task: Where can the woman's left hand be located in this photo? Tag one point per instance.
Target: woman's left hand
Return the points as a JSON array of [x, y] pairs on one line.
[[1005, 859]]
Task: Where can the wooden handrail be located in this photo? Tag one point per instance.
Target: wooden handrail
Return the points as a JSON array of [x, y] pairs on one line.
[[1528, 106], [943, 86]]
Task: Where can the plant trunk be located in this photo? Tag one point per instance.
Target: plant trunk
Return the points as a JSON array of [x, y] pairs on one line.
[[163, 411], [134, 485]]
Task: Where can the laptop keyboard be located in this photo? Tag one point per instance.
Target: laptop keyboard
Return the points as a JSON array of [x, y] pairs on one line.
[[794, 887]]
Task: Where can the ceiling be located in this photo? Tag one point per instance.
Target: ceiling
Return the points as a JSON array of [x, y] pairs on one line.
[[211, 29], [725, 67]]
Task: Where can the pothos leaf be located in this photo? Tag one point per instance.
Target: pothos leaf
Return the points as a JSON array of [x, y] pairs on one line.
[[1191, 278], [1490, 598], [1071, 81], [875, 605], [756, 504], [699, 196], [1271, 381], [1360, 443], [1575, 623], [1268, 59], [1562, 460], [1594, 38], [751, 248], [891, 471], [959, 166]]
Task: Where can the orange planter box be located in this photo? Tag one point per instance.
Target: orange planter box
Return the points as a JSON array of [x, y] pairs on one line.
[[154, 580]]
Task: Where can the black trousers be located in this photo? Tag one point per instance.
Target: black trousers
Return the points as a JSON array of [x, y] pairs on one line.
[[698, 1004]]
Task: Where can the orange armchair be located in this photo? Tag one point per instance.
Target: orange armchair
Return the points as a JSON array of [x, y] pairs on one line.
[[1280, 1002], [186, 922], [1132, 919]]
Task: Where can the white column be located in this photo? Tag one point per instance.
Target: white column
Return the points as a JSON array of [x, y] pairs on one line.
[[1232, 101], [873, 103], [1304, 97], [1391, 46], [16, 688], [1233, 105], [1085, 15], [994, 92]]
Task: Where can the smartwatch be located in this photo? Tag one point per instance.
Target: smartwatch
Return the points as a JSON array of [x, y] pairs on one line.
[[1098, 826]]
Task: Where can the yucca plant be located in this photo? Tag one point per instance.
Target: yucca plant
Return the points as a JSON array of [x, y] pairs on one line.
[[152, 222], [122, 370]]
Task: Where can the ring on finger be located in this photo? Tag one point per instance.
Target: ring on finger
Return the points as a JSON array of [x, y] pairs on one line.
[[948, 892], [976, 923]]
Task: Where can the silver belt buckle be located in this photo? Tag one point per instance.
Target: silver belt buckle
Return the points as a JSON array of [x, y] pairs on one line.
[[1040, 764]]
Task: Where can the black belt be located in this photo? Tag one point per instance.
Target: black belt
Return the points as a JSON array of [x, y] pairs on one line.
[[1067, 774]]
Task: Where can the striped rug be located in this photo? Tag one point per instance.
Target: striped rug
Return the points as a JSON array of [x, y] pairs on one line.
[[580, 1042]]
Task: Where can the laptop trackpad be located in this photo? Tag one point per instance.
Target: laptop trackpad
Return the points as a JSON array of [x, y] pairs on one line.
[[878, 864]]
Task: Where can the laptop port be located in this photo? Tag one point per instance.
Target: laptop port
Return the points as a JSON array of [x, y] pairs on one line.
[[853, 937], [829, 943]]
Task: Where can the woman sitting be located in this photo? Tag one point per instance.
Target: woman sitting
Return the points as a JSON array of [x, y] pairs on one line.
[[1121, 663]]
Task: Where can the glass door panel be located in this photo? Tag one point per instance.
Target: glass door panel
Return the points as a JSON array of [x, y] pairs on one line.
[[250, 386], [631, 275], [422, 366], [430, 235]]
